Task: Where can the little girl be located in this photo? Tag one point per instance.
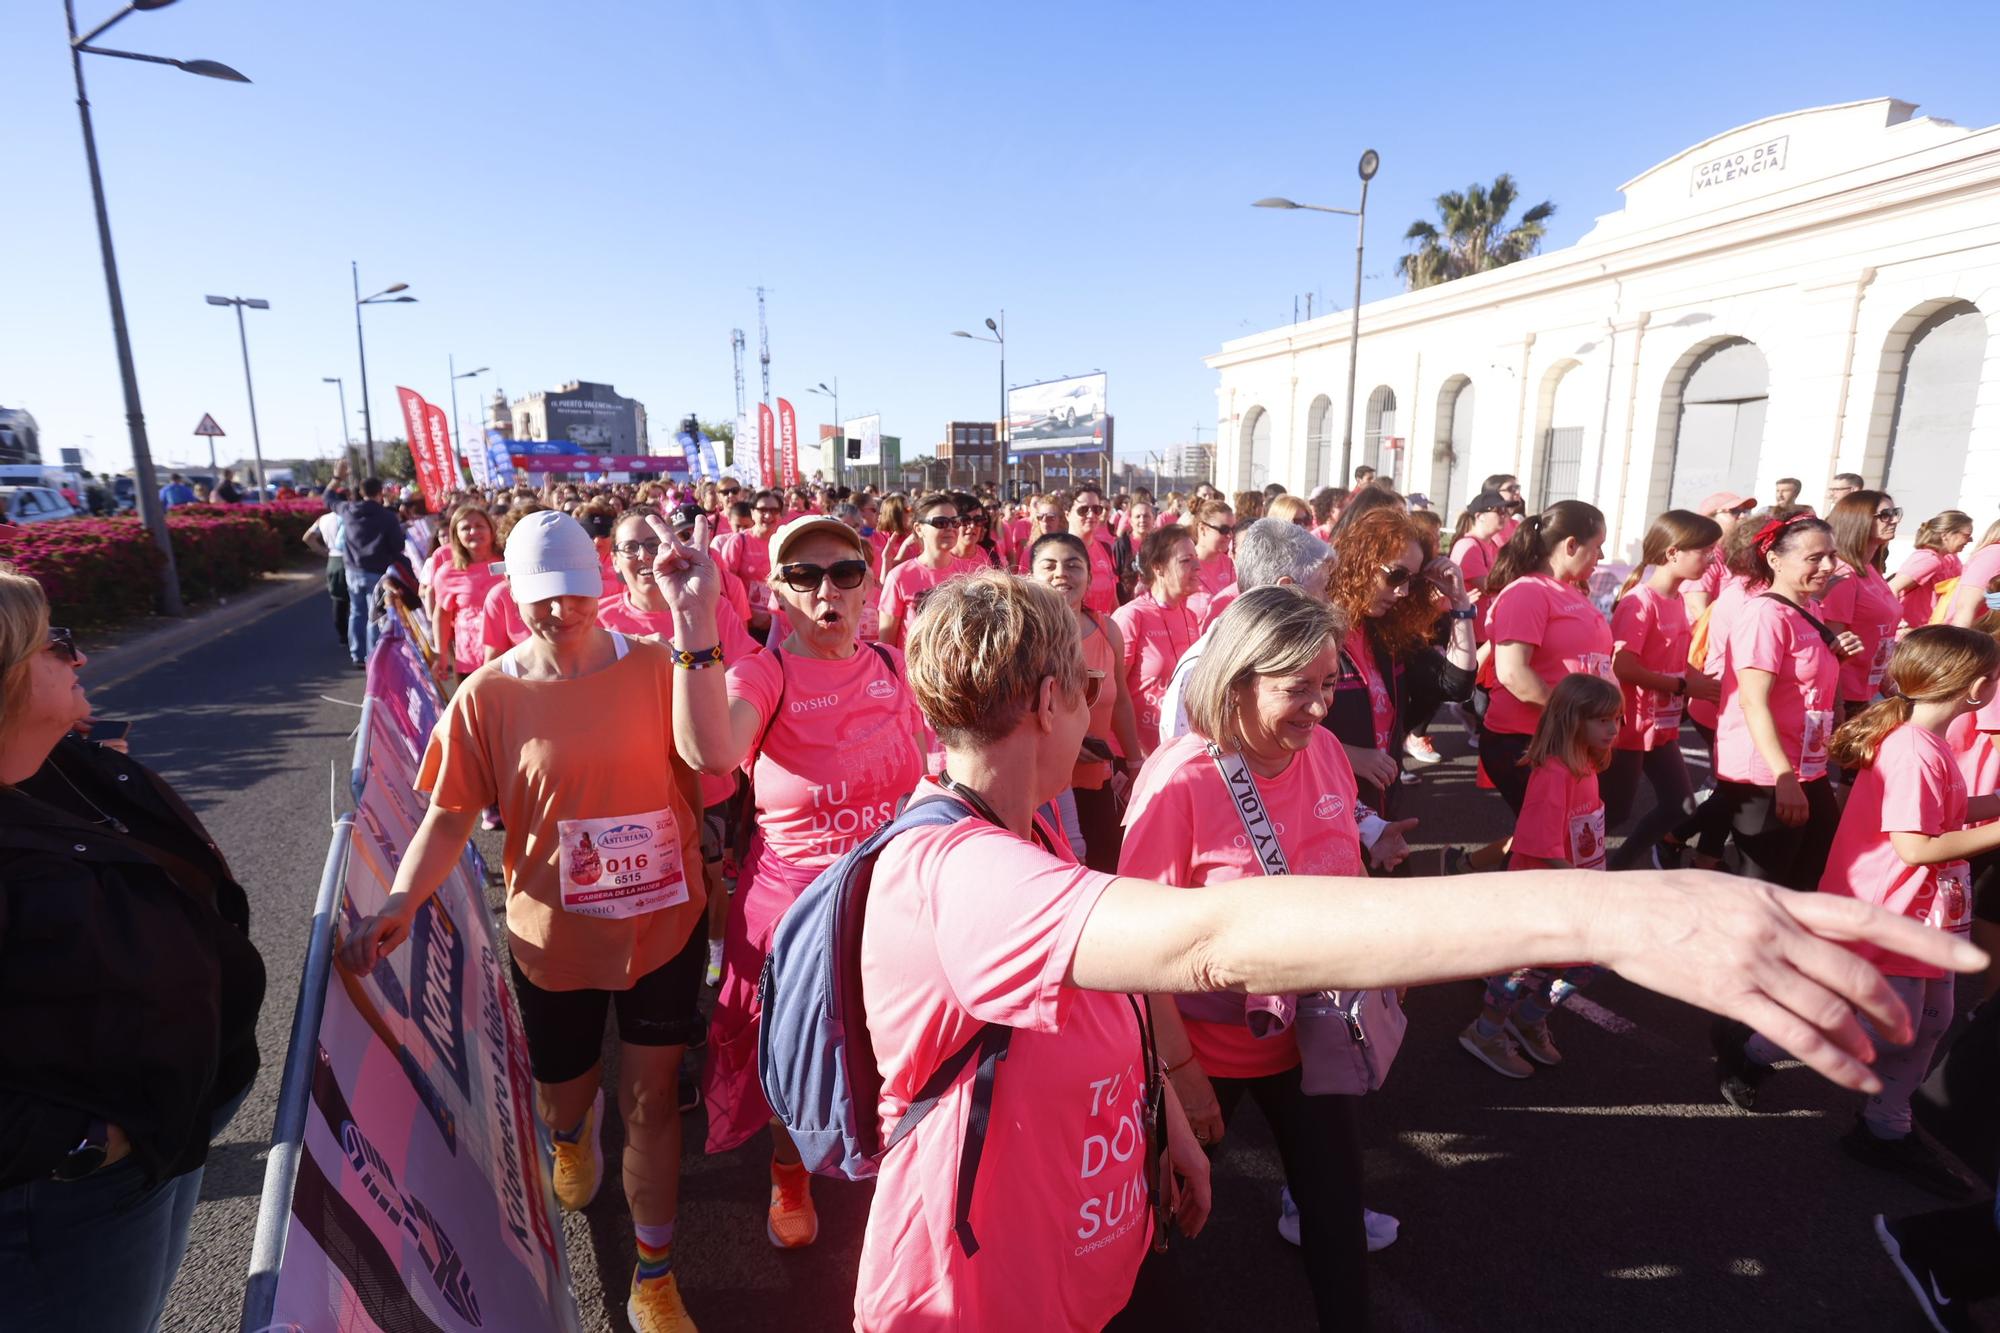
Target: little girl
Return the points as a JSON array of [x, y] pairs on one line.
[[1561, 826], [1903, 845]]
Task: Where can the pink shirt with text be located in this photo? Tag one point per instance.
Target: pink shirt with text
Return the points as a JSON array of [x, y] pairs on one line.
[[1804, 699], [1655, 630], [1562, 819], [1566, 632], [1863, 603], [970, 925], [839, 748], [1914, 786], [1182, 828]]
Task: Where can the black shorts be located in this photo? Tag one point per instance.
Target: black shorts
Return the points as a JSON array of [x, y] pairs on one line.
[[1986, 888], [565, 1028], [715, 829]]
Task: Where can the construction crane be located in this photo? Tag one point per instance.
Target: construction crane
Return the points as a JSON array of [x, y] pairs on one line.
[[764, 346], [736, 350]]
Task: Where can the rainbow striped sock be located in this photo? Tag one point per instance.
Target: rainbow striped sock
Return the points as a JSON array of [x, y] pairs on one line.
[[656, 1251]]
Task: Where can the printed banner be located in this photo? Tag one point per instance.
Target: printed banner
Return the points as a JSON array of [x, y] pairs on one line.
[[767, 446], [711, 468], [417, 429], [691, 446], [443, 457], [420, 1201], [499, 458], [599, 463], [788, 440], [745, 461]]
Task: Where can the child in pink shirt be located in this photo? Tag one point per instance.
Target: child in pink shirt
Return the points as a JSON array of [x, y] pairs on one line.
[[1561, 827], [1903, 845]]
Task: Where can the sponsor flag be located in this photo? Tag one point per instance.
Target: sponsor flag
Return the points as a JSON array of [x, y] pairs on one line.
[[788, 440], [443, 457], [417, 428], [767, 447]]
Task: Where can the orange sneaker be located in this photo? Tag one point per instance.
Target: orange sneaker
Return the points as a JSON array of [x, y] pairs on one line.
[[792, 1224], [655, 1307], [578, 1168]]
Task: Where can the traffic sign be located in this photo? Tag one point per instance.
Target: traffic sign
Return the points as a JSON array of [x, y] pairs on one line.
[[208, 426]]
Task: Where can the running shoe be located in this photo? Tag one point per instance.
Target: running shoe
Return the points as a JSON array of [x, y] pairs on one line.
[[489, 819], [1457, 861], [792, 1223], [714, 975], [579, 1167], [1737, 1076], [1497, 1053], [1380, 1228], [1909, 1157], [655, 1307], [1535, 1042], [1945, 1314], [1420, 750]]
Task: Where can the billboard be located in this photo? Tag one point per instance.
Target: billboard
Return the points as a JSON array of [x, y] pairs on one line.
[[596, 417], [1057, 414], [868, 430]]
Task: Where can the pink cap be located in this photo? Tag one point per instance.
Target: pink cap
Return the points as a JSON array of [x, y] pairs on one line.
[[1722, 500]]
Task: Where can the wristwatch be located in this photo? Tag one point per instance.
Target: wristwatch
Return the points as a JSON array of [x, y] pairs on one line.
[[86, 1156], [1467, 614]]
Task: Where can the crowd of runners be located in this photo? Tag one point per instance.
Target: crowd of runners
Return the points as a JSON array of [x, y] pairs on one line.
[[927, 782]]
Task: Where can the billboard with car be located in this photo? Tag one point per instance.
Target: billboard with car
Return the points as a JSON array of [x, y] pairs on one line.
[[1057, 414]]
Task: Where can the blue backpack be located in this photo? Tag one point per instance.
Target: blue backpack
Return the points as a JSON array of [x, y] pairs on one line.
[[814, 1058]]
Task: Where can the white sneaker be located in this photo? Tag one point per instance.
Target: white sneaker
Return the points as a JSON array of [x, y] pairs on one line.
[[714, 974], [1380, 1228], [1420, 750]]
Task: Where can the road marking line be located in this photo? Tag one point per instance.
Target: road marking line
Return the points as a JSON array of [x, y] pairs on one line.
[[1681, 1110]]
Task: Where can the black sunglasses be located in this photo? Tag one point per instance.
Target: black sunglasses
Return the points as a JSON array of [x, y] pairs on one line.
[[807, 578], [1226, 529], [1090, 511], [941, 524], [63, 644], [648, 546], [1396, 575], [766, 509]]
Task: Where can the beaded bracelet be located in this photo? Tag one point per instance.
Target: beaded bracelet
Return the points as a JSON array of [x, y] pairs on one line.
[[696, 661]]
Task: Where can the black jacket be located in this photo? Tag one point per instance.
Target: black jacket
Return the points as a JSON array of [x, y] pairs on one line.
[[1418, 682], [372, 536], [129, 989]]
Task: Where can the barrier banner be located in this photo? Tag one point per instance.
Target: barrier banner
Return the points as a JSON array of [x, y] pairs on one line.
[[767, 446], [418, 1198], [788, 440]]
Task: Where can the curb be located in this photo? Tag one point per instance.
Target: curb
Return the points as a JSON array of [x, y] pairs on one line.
[[119, 662]]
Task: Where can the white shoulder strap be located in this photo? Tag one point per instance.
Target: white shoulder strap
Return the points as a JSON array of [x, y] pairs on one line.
[[1250, 809]]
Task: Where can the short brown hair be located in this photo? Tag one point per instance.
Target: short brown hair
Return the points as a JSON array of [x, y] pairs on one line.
[[1268, 631], [934, 501], [980, 649]]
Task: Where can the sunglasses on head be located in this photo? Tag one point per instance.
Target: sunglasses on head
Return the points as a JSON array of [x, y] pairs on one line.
[[941, 524], [807, 578], [63, 644]]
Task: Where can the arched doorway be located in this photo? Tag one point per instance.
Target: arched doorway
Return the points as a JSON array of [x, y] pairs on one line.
[[1256, 448], [1451, 452], [1720, 427], [1935, 394], [1381, 419], [1319, 444], [1564, 416]]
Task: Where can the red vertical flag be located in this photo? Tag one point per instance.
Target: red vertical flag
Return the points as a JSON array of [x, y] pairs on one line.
[[416, 419], [442, 457], [767, 446], [788, 440]]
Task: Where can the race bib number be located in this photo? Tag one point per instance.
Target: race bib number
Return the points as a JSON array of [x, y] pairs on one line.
[[1596, 664], [620, 867], [1586, 840], [1665, 709], [1951, 902], [1812, 752], [1879, 667]]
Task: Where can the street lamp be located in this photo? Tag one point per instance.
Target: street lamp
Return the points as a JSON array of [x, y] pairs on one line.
[[839, 427], [999, 332], [1371, 162], [387, 296], [256, 441], [168, 597], [340, 386], [464, 445]]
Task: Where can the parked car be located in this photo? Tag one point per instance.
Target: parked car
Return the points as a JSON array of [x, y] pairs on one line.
[[33, 504]]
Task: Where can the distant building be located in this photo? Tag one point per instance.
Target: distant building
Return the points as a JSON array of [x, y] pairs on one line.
[[1190, 462], [20, 437], [595, 416], [971, 450]]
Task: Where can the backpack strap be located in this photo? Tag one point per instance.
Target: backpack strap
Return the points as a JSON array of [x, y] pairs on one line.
[[990, 1045]]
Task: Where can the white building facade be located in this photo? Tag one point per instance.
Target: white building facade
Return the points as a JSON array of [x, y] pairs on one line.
[[1814, 293]]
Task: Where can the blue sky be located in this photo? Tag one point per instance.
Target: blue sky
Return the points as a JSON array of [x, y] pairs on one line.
[[595, 191]]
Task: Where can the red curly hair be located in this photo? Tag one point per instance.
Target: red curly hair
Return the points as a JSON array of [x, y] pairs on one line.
[[1375, 540]]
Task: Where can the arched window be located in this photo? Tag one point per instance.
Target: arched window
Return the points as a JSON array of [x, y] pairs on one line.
[[1319, 444], [1256, 448], [1381, 419], [1935, 395], [1721, 425], [1451, 452], [1564, 416]]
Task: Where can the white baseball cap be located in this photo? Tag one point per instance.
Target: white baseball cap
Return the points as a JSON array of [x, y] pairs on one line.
[[810, 524], [550, 555]]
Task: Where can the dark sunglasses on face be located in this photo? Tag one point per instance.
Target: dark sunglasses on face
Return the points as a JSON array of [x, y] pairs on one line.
[[732, 490], [63, 644], [1226, 529], [768, 509], [941, 524], [1889, 515], [1396, 575], [1091, 511], [648, 547], [807, 578], [1050, 517]]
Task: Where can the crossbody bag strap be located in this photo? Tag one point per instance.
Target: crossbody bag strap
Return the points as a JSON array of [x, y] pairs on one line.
[[1257, 826], [1826, 636]]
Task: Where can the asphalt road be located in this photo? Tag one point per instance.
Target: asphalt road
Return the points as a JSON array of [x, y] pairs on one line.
[[1615, 1191]]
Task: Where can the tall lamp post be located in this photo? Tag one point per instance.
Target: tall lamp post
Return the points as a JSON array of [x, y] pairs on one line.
[[1000, 440], [387, 296], [340, 386], [464, 445], [839, 426], [1371, 161], [256, 441], [146, 481]]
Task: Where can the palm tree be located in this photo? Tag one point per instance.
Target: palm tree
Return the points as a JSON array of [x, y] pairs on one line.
[[1476, 235]]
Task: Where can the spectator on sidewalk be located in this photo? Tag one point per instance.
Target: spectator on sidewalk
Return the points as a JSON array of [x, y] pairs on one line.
[[325, 537], [176, 492], [371, 544], [227, 492]]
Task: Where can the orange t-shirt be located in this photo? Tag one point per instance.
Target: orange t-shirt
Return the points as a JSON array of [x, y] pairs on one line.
[[596, 748]]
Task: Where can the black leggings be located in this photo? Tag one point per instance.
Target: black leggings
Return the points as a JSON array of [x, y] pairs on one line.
[[1673, 797], [1500, 755], [1097, 814], [1771, 852]]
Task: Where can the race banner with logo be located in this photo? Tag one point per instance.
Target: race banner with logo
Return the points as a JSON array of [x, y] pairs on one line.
[[767, 446], [744, 460], [418, 1200], [788, 440], [417, 427], [443, 457]]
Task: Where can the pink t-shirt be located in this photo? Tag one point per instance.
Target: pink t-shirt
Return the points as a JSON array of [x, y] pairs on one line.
[[1568, 635], [1562, 819], [460, 598], [1182, 828], [1914, 786], [1863, 603], [1102, 595], [1713, 575], [748, 557], [1722, 613], [1155, 638], [500, 623], [1805, 693], [1217, 572], [1925, 568], [1213, 606], [970, 925], [1975, 572], [1655, 630], [843, 750], [1474, 559], [909, 581]]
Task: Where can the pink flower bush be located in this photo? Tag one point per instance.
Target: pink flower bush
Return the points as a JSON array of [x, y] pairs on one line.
[[97, 571]]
